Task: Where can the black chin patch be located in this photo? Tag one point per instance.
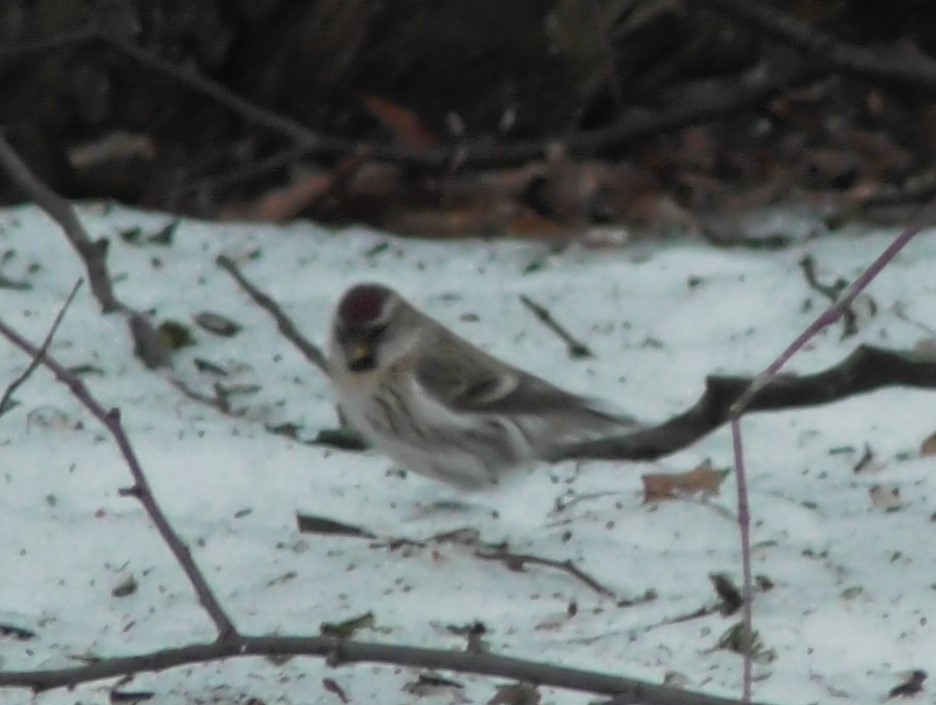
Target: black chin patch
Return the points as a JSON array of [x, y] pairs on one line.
[[363, 364]]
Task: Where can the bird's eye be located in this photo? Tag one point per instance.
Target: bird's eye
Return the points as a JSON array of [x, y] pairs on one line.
[[375, 333]]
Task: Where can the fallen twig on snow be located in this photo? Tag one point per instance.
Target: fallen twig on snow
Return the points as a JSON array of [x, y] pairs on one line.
[[576, 348], [517, 562], [866, 369], [284, 323], [830, 292]]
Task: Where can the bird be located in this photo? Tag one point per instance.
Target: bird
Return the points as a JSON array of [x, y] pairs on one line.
[[436, 404]]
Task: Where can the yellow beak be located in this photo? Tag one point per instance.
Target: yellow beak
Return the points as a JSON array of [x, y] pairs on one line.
[[358, 353]]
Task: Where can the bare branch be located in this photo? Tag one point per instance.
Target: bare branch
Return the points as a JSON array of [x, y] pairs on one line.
[[217, 92], [339, 651], [689, 109], [283, 322], [517, 561], [110, 419], [147, 344], [866, 369], [923, 218], [737, 92], [747, 587], [36, 361], [916, 72], [769, 376]]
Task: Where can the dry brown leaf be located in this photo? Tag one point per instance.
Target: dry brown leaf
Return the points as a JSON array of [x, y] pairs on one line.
[[928, 448], [886, 497], [407, 126], [912, 684], [925, 349], [703, 480], [114, 146], [532, 226], [285, 202], [516, 694]]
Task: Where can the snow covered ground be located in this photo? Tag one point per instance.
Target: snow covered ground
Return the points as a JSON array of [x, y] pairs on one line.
[[854, 585]]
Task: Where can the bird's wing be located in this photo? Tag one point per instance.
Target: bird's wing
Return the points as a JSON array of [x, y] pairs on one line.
[[466, 379]]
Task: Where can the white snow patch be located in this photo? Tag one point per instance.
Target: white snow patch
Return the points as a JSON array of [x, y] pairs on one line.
[[854, 585]]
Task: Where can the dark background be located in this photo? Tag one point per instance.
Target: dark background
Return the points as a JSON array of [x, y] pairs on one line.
[[386, 83]]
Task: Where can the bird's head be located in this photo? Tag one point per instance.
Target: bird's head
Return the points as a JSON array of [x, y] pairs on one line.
[[372, 327]]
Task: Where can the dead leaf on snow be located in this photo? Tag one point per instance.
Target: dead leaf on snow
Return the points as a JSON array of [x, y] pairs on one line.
[[925, 349], [703, 480], [728, 593], [432, 685], [516, 694], [928, 448], [886, 497], [913, 684], [347, 628]]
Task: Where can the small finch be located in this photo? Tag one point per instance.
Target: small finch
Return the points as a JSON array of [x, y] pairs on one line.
[[437, 405]]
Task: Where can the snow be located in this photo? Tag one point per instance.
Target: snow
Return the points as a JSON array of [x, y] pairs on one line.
[[853, 591]]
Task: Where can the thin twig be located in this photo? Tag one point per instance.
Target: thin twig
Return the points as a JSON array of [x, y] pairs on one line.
[[341, 651], [514, 561], [739, 91], [517, 561], [147, 343], [830, 292], [923, 218], [283, 322], [36, 361], [914, 72], [576, 348], [867, 368], [141, 488], [826, 318], [200, 83], [312, 524], [747, 588]]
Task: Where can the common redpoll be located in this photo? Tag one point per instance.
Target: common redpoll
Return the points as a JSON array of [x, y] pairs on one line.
[[439, 406]]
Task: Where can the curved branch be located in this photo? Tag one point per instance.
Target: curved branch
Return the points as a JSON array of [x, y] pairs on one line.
[[866, 369], [737, 92], [339, 651], [722, 97], [916, 72]]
